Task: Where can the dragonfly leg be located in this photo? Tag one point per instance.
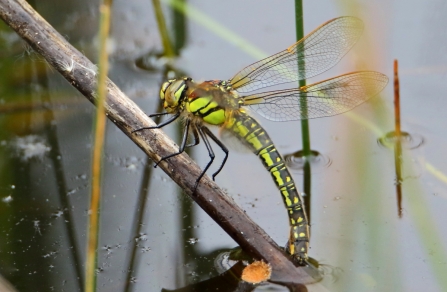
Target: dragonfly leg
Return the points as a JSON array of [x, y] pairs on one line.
[[161, 125], [196, 138], [182, 145], [222, 146], [204, 131], [158, 114]]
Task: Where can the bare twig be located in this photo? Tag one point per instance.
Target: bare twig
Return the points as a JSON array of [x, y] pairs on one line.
[[5, 286], [126, 115]]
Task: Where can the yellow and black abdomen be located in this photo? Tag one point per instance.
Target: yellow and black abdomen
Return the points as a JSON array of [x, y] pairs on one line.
[[255, 137]]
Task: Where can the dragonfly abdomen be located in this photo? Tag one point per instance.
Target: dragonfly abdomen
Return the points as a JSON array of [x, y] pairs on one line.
[[256, 138]]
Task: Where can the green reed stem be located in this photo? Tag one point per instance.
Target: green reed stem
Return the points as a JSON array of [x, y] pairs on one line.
[[167, 45], [179, 25], [305, 133], [100, 126], [303, 102]]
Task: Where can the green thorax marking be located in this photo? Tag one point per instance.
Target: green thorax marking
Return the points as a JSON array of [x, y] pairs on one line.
[[211, 101]]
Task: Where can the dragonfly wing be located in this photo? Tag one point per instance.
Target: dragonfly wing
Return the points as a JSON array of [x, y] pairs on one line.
[[326, 98], [310, 56]]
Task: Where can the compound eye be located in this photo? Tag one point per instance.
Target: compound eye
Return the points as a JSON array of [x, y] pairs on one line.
[[178, 90], [163, 89]]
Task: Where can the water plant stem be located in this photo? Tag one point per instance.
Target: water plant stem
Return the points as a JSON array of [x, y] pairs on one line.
[[100, 127], [167, 45], [305, 132], [396, 99], [179, 28], [303, 101], [397, 141]]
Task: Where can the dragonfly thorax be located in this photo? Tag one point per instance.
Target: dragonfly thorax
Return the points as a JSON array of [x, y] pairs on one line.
[[173, 92]]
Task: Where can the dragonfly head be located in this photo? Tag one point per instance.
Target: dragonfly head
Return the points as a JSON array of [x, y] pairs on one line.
[[172, 93]]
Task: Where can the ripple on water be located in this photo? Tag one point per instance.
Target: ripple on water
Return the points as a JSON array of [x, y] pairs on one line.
[[408, 141], [295, 161]]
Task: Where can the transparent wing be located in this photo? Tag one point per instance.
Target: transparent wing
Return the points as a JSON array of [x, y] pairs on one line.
[[326, 98], [310, 56]]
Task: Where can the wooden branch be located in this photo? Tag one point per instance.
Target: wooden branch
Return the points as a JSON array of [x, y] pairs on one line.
[[126, 115], [5, 286]]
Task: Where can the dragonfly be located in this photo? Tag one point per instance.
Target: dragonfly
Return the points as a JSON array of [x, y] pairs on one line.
[[225, 103]]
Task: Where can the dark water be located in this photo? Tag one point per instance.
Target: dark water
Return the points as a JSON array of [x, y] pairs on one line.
[[357, 236]]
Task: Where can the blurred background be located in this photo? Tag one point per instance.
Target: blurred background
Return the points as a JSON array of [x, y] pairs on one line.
[[357, 235]]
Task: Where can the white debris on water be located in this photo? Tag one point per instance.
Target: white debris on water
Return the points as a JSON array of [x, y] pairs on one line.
[[7, 199], [31, 146]]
